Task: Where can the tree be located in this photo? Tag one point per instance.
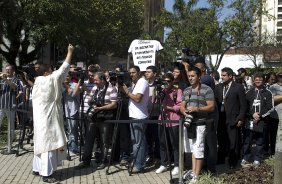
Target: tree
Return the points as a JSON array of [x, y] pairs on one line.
[[205, 31], [97, 26]]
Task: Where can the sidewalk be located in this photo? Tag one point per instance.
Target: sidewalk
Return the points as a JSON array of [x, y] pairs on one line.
[[19, 170]]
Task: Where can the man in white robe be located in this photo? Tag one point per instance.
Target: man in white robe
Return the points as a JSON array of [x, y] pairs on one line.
[[49, 134]]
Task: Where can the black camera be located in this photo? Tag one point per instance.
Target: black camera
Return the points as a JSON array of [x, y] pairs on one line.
[[119, 78], [80, 74], [28, 69], [159, 82], [188, 119], [91, 111]]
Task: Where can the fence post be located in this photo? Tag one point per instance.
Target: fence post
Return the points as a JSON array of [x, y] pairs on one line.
[[181, 152]]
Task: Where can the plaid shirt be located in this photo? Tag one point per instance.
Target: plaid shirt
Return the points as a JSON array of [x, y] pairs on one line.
[[8, 95]]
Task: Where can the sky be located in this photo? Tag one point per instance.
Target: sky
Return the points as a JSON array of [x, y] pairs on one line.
[[201, 3]]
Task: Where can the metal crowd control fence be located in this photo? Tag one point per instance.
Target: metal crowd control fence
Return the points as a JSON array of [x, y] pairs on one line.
[[181, 141], [9, 141]]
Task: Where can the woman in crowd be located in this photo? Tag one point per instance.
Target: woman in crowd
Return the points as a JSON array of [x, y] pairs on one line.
[[171, 105], [180, 76]]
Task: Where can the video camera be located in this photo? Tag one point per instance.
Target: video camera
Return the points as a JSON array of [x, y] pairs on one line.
[[187, 55], [119, 78], [80, 74], [160, 83]]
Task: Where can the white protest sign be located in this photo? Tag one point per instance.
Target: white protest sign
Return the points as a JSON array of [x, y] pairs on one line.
[[144, 52]]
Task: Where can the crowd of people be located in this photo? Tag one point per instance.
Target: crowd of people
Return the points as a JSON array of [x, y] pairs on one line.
[[223, 115]]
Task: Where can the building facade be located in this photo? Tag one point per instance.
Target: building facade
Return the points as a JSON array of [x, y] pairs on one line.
[[270, 24]]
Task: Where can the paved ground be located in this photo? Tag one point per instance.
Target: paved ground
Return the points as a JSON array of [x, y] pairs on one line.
[[19, 170]]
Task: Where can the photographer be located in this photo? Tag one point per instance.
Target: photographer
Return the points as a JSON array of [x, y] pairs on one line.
[[10, 90], [171, 105], [138, 94], [198, 102], [102, 106]]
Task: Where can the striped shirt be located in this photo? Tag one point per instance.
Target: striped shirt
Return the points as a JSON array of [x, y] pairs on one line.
[[195, 98], [87, 96], [110, 96], [8, 95]]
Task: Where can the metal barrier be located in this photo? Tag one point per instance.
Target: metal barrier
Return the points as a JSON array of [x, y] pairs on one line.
[[181, 138], [9, 141]]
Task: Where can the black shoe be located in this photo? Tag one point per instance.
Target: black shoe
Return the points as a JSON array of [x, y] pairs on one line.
[[35, 173], [49, 179], [231, 166], [101, 166], [82, 165]]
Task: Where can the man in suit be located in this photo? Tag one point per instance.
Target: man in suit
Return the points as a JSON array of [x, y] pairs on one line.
[[231, 102]]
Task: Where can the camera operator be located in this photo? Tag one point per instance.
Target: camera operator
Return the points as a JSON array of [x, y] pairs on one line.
[[103, 102], [11, 90], [198, 102], [49, 134], [152, 129], [171, 106], [138, 94]]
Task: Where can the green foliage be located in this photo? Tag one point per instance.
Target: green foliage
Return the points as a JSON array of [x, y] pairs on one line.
[[208, 178], [265, 71], [97, 26], [205, 31]]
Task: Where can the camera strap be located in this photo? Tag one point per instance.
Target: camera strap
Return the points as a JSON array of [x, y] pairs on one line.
[[99, 95]]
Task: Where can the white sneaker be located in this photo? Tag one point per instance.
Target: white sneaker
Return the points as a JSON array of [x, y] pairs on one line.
[[195, 179], [161, 169], [72, 154], [188, 175], [175, 171], [256, 163], [245, 163]]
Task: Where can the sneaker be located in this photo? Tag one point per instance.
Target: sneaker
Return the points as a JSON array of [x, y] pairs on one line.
[[245, 163], [256, 163], [72, 154], [175, 171], [101, 166], [188, 175], [195, 179], [124, 163], [135, 170], [161, 169]]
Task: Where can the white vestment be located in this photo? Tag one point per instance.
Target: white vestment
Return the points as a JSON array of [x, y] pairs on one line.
[[49, 133]]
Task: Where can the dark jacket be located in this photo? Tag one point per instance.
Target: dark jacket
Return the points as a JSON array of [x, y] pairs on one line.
[[235, 102], [266, 102]]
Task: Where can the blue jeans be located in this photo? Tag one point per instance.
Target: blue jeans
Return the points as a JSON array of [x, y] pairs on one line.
[[248, 136], [139, 140], [73, 133]]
